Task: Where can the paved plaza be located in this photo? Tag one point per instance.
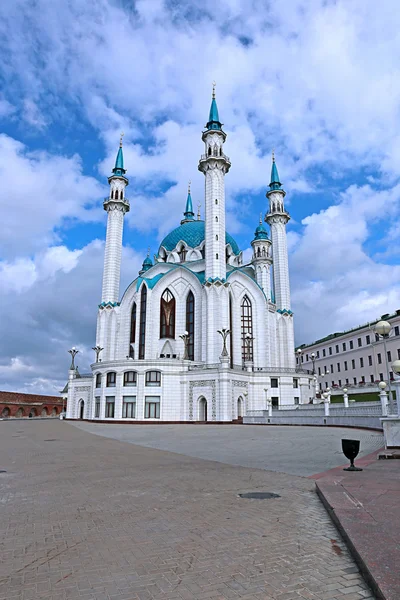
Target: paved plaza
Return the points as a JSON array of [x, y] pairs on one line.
[[92, 518], [293, 450]]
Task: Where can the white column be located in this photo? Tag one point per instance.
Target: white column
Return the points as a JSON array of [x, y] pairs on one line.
[[113, 252], [280, 261]]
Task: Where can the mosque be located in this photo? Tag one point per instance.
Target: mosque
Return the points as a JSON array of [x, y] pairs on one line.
[[198, 335]]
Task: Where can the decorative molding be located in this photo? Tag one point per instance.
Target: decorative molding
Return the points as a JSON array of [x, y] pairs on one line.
[[108, 305], [203, 383]]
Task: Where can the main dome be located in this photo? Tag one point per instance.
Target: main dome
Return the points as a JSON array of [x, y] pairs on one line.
[[192, 234]]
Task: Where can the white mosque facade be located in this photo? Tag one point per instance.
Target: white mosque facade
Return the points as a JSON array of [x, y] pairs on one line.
[[198, 335]]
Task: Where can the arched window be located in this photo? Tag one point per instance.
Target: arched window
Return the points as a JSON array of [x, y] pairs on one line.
[[112, 194], [130, 378], [190, 324], [216, 219], [209, 151], [98, 380], [116, 194], [216, 237], [216, 256], [216, 201], [121, 194], [133, 330], [220, 151], [182, 254], [111, 379], [142, 325], [153, 378], [247, 330], [167, 315]]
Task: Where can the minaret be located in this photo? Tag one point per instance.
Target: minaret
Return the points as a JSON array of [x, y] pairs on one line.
[[116, 206], [214, 164], [277, 217], [262, 259], [188, 214]]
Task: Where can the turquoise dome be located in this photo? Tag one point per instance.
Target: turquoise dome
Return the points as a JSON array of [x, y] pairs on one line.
[[192, 233], [260, 233]]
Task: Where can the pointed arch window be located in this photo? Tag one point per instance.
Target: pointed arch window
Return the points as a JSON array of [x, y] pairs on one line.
[[167, 315], [182, 254], [142, 325], [190, 323], [247, 329], [133, 330]]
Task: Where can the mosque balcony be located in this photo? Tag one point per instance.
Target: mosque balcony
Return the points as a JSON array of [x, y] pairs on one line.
[[271, 370], [215, 156]]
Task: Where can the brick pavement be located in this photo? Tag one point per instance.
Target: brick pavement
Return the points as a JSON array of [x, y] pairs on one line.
[[365, 505], [89, 518]]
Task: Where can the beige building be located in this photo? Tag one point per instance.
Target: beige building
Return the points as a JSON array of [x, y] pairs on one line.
[[353, 358]]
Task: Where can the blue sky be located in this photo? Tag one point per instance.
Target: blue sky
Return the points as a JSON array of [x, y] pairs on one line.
[[317, 80]]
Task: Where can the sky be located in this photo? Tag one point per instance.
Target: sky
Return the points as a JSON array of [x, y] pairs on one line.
[[317, 80]]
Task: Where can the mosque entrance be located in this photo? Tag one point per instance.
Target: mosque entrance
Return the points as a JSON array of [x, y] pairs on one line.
[[81, 409], [202, 409]]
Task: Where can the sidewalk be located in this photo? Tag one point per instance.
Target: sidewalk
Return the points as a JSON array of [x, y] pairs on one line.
[[365, 506]]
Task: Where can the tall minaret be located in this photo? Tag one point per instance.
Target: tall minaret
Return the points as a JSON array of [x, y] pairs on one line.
[[116, 206], [261, 258], [277, 217], [214, 164]]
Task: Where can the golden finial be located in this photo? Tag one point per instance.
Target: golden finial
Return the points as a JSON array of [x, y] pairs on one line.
[[260, 218], [198, 212], [189, 184], [273, 154], [213, 92], [121, 135], [148, 251]]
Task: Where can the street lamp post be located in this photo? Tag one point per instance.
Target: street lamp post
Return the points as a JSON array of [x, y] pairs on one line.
[[97, 350], [299, 353], [313, 362], [383, 397], [345, 398], [383, 329], [396, 371], [73, 352], [185, 337], [224, 334]]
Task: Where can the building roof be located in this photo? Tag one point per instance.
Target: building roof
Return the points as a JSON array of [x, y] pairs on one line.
[[192, 233]]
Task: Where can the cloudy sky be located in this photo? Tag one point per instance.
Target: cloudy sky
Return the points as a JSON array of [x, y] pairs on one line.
[[318, 80]]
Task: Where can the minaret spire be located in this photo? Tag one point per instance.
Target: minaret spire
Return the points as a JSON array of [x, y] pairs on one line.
[[189, 213], [277, 217], [116, 206], [213, 117]]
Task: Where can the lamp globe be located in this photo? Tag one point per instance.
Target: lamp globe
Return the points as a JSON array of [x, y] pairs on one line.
[[382, 385], [382, 328], [396, 367]]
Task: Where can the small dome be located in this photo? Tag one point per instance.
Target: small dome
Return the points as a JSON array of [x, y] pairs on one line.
[[147, 264], [261, 233], [192, 233]]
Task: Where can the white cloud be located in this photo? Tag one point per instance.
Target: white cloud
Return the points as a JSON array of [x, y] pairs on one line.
[[315, 79], [40, 192]]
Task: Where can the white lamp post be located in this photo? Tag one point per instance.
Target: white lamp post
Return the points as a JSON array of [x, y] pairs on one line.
[[383, 329], [396, 371], [345, 398], [383, 397]]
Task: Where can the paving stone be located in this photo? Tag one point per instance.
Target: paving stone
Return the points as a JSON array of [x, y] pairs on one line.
[[90, 518]]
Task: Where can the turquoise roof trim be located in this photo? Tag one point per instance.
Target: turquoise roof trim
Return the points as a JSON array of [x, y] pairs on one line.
[[151, 282], [192, 233]]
